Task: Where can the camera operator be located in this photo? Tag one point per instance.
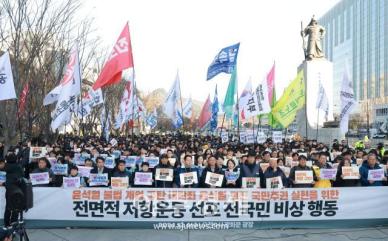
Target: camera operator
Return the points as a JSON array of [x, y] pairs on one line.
[[14, 173], [5, 234]]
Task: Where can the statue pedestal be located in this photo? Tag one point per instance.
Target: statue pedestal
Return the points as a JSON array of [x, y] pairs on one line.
[[314, 71]]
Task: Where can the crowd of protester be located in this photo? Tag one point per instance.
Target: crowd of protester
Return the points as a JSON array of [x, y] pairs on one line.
[[203, 155]]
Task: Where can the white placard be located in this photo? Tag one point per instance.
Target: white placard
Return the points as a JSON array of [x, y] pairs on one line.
[[351, 172], [250, 182], [40, 178], [188, 178], [261, 137], [37, 152], [98, 179], [84, 171], [143, 178], [214, 179], [376, 175], [277, 136], [164, 174], [274, 183], [304, 177], [119, 182], [71, 182]]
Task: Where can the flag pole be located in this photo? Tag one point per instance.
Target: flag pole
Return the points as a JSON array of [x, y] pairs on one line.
[[253, 129], [222, 124], [316, 136], [180, 97]]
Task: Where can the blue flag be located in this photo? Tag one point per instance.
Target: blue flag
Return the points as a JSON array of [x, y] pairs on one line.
[[224, 62], [152, 119], [214, 119]]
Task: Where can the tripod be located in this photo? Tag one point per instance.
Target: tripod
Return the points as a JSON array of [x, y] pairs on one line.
[[19, 227]]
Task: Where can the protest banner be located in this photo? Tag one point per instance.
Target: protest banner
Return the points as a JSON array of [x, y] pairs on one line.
[[277, 137], [143, 178], [109, 162], [119, 182], [304, 177], [37, 152], [164, 174], [52, 161], [376, 175], [242, 137], [249, 137], [250, 182], [328, 174], [77, 159], [214, 179], [194, 208], [71, 182], [98, 179], [274, 183], [39, 178], [188, 178], [261, 137], [231, 176], [2, 177], [130, 161], [152, 161], [84, 171], [60, 169], [351, 172], [224, 137]]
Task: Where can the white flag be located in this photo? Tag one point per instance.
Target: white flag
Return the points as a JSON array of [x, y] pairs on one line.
[[171, 107], [347, 102], [7, 88], [52, 96], [257, 102], [245, 95], [322, 100], [90, 100], [187, 108], [71, 85]]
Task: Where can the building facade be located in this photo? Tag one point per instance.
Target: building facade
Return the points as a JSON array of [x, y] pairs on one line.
[[356, 41]]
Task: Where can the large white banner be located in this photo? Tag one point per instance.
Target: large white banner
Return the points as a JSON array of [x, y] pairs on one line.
[[151, 205]]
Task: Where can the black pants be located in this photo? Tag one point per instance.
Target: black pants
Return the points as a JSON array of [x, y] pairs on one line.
[[9, 216]]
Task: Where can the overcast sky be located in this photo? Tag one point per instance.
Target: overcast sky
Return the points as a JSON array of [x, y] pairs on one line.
[[179, 34]]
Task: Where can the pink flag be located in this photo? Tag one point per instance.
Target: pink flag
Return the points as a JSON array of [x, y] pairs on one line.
[[119, 59], [23, 98], [271, 84], [206, 113]]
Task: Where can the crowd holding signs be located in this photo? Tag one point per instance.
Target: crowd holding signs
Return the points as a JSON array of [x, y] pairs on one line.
[[168, 161]]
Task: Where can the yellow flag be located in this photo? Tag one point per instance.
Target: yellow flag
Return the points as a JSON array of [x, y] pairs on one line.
[[291, 101]]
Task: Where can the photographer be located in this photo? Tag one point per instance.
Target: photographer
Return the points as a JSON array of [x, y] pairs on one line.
[[14, 173]]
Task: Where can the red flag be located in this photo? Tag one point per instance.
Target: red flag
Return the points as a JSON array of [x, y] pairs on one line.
[[23, 98], [271, 85], [206, 113], [119, 59]]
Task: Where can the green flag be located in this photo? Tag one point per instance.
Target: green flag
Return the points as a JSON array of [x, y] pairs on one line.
[[291, 101], [229, 102]]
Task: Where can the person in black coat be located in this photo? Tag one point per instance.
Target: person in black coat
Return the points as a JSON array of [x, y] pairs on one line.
[[340, 181], [144, 167], [301, 167], [101, 169], [211, 167], [274, 171], [163, 164]]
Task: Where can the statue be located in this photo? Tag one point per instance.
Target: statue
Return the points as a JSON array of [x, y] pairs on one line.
[[315, 33]]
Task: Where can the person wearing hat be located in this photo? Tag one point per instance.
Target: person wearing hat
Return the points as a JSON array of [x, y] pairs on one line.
[[5, 234], [301, 167], [251, 169], [164, 164], [44, 166]]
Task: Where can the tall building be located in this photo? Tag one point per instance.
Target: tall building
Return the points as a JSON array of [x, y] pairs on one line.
[[357, 36]]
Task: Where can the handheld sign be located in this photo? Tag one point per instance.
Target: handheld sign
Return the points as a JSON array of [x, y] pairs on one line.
[[224, 137], [52, 161], [143, 178], [376, 175], [261, 137], [277, 137], [231, 176], [39, 178], [250, 182], [116, 154], [274, 183], [37, 152], [77, 159], [188, 178], [164, 174], [328, 174], [130, 161], [119, 182], [152, 161], [71, 182], [84, 171], [2, 177], [214, 179], [109, 162], [351, 172], [60, 169], [304, 177], [98, 179]]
